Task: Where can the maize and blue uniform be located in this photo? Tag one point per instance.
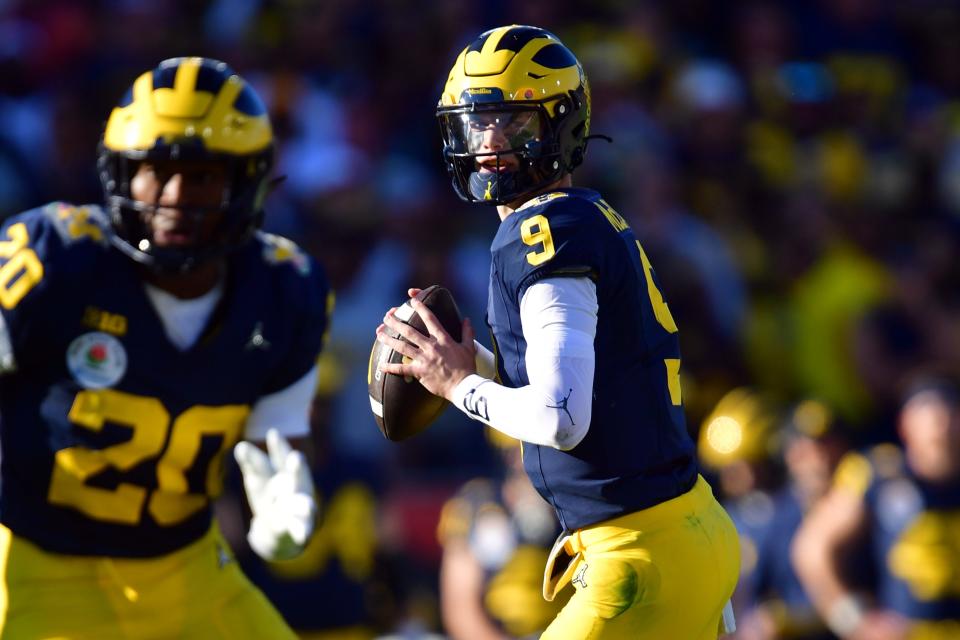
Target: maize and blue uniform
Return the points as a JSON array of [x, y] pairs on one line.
[[656, 556], [510, 546], [769, 577], [113, 439], [914, 544], [338, 588]]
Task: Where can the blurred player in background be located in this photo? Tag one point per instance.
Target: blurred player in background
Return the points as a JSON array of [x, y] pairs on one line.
[[344, 585], [588, 368], [901, 505], [496, 534], [139, 342], [736, 445], [777, 605]]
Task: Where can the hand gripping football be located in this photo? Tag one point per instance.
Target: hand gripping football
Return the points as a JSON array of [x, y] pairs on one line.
[[401, 405]]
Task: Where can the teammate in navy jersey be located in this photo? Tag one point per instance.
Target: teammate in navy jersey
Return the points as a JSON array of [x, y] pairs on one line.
[[139, 342], [901, 506], [496, 533], [777, 604], [587, 366]]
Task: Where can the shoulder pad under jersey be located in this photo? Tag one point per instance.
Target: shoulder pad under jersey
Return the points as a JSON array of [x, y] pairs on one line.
[[85, 223]]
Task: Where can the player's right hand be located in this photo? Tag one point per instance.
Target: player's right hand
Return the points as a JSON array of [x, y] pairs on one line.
[[280, 492], [437, 360]]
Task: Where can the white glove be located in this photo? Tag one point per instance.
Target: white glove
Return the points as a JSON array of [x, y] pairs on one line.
[[280, 492]]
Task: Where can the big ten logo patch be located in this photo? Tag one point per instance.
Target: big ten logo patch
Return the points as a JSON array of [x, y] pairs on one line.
[[100, 320]]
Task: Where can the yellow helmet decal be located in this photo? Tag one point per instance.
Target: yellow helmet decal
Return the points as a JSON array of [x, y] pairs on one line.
[[184, 100], [513, 63]]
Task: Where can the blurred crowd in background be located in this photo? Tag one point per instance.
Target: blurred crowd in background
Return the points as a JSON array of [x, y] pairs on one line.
[[792, 168]]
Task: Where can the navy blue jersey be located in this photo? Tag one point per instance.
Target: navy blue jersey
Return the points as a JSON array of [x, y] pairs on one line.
[[637, 452], [338, 581], [771, 578], [113, 438], [915, 530], [511, 546]]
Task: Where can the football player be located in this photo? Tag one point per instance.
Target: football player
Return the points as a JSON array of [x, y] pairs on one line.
[[775, 603], [588, 366], [901, 505], [140, 341], [495, 533]]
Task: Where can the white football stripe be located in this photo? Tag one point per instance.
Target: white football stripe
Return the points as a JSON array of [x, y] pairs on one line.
[[404, 313], [377, 407]]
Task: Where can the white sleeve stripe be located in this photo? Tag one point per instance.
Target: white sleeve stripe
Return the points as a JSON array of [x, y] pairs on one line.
[[404, 312], [287, 410], [7, 362], [376, 407]]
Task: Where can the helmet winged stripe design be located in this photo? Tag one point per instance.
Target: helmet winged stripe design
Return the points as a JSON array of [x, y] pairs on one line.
[[514, 69], [185, 98], [187, 109]]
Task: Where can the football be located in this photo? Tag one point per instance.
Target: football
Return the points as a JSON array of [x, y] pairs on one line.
[[401, 405]]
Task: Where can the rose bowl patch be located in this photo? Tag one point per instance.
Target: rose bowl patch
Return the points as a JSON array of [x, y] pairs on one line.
[[96, 360]]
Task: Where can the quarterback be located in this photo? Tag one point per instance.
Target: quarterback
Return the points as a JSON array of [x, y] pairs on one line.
[[587, 356], [140, 341]]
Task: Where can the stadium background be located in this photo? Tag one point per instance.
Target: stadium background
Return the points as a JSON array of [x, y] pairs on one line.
[[793, 169]]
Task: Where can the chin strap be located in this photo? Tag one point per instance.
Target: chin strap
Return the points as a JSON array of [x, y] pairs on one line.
[[601, 136]]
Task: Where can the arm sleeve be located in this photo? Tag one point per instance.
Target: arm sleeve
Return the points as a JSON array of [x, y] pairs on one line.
[[559, 322], [287, 410], [485, 361]]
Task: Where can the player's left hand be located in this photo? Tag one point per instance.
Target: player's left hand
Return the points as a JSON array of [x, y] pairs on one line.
[[280, 491], [437, 360]]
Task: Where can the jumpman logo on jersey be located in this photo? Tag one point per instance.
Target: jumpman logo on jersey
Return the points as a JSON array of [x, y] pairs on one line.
[[562, 404], [256, 340]]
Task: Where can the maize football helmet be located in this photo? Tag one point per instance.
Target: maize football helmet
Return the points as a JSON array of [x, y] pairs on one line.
[[523, 86], [187, 109]]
